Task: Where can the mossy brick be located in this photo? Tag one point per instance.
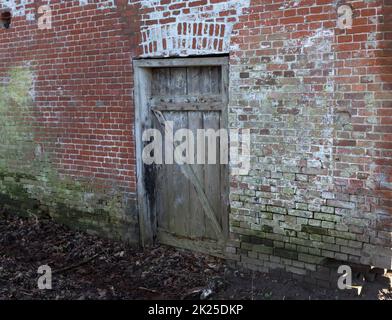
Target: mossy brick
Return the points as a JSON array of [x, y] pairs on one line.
[[253, 254], [278, 217], [315, 237], [328, 239], [290, 246], [234, 223], [263, 241], [355, 244], [266, 215], [341, 204], [289, 176], [327, 254], [277, 209], [343, 242], [245, 225], [341, 227], [329, 246], [315, 230], [358, 222], [243, 252], [327, 217], [307, 258], [267, 228], [275, 259], [356, 229], [230, 250], [252, 261], [300, 213], [301, 206], [279, 244], [303, 249], [327, 209], [298, 241], [301, 177], [350, 251], [328, 225], [343, 212], [246, 246], [276, 175], [303, 235], [314, 207], [301, 221], [364, 238], [342, 234], [284, 253], [262, 249], [290, 233], [341, 256], [274, 236], [315, 223]]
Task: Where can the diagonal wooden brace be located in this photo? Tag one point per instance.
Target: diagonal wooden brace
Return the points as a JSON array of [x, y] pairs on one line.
[[189, 173]]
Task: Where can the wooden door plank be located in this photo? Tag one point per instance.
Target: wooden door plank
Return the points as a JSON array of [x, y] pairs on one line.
[[216, 80], [180, 191], [189, 174], [181, 62], [147, 222], [214, 248], [161, 87], [197, 216], [188, 107], [180, 187], [207, 86], [204, 98], [212, 171], [178, 84]]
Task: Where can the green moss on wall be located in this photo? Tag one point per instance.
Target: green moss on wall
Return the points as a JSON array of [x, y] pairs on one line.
[[29, 181]]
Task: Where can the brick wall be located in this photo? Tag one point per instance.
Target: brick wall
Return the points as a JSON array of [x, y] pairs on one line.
[[316, 98], [67, 114], [183, 28]]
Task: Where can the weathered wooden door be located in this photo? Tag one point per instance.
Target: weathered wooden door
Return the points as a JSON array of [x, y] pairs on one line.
[[191, 98]]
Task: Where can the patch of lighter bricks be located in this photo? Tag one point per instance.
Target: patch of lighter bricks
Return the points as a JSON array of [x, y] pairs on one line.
[[179, 28]]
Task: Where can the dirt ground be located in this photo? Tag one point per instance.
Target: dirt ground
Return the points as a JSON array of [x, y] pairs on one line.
[[87, 267]]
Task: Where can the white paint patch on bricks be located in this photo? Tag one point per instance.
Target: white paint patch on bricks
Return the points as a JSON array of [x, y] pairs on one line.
[[19, 8], [201, 31]]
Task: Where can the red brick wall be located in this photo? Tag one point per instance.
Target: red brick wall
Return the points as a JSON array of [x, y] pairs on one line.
[[82, 114], [364, 66], [317, 100]]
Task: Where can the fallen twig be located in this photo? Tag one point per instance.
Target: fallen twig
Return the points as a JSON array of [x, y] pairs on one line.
[[149, 290], [77, 265]]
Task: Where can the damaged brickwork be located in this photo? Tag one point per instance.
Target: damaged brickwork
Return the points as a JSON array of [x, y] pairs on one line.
[[317, 99]]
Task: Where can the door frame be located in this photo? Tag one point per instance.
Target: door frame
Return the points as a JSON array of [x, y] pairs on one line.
[[142, 90]]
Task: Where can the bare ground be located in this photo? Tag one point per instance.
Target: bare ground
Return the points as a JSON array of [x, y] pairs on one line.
[[88, 267]]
